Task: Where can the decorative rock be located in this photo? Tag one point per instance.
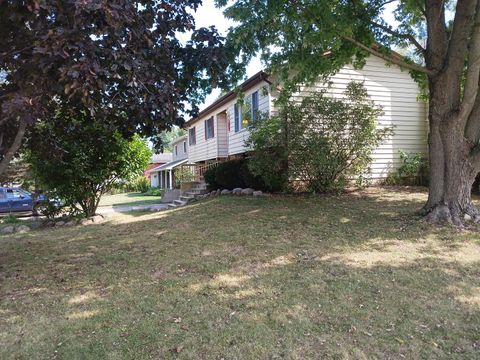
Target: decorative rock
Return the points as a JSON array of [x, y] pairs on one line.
[[247, 191], [467, 217], [60, 223], [225, 192], [86, 221], [237, 191], [97, 218], [257, 193], [7, 230], [218, 192], [213, 193], [22, 229], [71, 223]]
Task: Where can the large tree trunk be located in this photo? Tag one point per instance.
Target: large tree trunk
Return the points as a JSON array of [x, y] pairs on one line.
[[453, 169]]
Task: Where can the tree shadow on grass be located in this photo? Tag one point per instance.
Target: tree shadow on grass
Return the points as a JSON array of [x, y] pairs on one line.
[[344, 277]]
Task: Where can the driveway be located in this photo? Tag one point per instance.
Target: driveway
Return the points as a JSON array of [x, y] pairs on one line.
[[130, 208]]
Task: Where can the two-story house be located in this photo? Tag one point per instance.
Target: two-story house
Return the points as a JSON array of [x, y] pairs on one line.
[[220, 131]]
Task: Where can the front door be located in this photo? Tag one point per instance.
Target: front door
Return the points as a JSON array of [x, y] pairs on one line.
[[19, 201]]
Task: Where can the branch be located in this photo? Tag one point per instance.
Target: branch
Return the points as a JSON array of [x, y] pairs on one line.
[[458, 46], [473, 71], [400, 35], [401, 63], [17, 142]]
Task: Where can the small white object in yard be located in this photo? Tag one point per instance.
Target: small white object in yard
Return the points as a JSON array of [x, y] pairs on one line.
[[8, 230], [237, 191], [60, 223], [97, 218], [247, 191], [467, 217], [257, 193], [86, 221], [225, 192], [22, 229]]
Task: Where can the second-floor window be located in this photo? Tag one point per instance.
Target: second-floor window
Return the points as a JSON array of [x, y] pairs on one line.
[[209, 129], [247, 112], [176, 150], [192, 138], [184, 147]]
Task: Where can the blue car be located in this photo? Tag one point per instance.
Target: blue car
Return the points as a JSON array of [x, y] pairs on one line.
[[17, 200]]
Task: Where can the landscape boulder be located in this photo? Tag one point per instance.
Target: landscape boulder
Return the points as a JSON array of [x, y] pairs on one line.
[[97, 218], [86, 221], [225, 192], [8, 230], [60, 223], [257, 193], [247, 191], [22, 229], [237, 191]]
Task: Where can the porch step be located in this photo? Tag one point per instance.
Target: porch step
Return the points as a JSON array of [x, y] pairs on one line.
[[177, 203], [187, 197]]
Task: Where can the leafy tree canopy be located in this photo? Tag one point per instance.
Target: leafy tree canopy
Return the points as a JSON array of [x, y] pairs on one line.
[[79, 157], [166, 137], [117, 54]]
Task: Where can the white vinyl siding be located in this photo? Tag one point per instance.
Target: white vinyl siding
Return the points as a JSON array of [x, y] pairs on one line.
[[236, 140], [203, 149], [179, 145], [221, 145], [396, 92]]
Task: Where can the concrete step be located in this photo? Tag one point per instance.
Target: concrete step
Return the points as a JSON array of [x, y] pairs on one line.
[[196, 191], [187, 197], [179, 202]]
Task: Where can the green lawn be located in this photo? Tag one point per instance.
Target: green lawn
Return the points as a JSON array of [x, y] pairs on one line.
[[129, 199], [357, 276]]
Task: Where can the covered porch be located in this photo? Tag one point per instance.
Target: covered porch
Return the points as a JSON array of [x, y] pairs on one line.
[[164, 175]]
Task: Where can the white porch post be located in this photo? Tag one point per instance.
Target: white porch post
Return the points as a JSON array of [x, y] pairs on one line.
[[160, 179], [171, 179]]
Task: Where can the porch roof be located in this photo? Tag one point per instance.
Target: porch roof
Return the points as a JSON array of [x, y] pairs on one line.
[[169, 166]]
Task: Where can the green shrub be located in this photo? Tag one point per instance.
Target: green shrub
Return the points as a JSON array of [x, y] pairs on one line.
[[139, 184], [154, 192], [321, 143], [412, 171], [233, 174], [10, 219], [210, 178]]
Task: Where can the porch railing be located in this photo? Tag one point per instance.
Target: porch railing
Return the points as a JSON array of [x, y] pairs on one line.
[[195, 172]]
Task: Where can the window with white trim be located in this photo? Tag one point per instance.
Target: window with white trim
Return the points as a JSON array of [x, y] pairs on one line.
[[192, 138], [247, 112], [209, 129]]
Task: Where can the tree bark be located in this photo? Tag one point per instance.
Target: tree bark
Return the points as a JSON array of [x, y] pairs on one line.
[[14, 147], [452, 167]]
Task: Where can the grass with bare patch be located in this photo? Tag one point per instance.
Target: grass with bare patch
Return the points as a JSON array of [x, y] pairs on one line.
[[357, 276], [129, 199]]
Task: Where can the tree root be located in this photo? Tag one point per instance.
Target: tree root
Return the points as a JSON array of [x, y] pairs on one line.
[[452, 215]]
